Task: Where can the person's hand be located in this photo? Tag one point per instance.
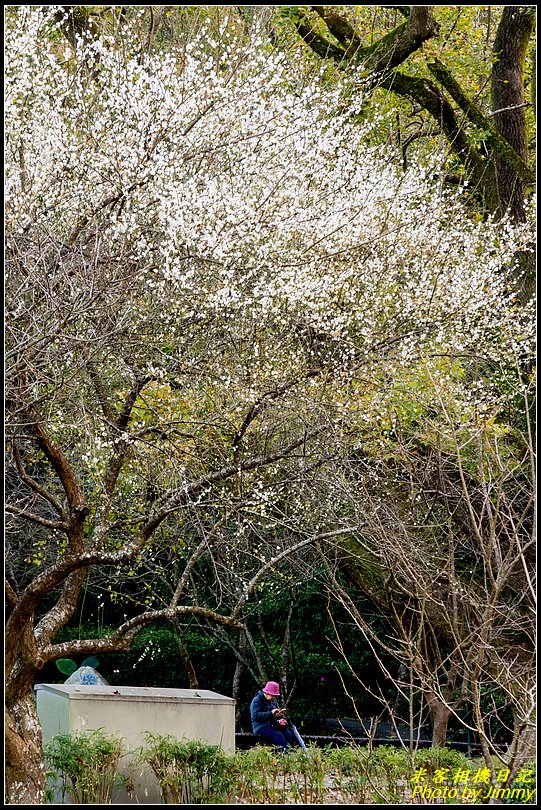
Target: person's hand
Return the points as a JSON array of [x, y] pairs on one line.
[[277, 712]]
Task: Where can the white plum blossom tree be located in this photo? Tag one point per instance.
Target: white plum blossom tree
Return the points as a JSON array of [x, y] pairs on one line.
[[206, 257]]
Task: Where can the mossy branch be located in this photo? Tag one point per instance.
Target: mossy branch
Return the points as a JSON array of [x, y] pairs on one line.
[[395, 47], [321, 46], [492, 138], [341, 29], [429, 96]]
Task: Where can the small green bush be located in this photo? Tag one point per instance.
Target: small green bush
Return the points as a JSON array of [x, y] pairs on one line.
[[440, 758], [188, 771], [84, 765], [348, 767]]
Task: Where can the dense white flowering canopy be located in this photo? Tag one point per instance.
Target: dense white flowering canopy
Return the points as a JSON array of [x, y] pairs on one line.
[[234, 190], [233, 231]]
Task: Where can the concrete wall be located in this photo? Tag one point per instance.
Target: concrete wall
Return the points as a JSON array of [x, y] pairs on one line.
[[129, 712]]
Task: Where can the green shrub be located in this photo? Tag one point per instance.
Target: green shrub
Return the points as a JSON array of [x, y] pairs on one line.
[[84, 765], [257, 774], [188, 771], [348, 766], [438, 757], [196, 772]]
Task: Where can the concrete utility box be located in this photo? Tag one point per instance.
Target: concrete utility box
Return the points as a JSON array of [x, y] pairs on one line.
[[129, 712]]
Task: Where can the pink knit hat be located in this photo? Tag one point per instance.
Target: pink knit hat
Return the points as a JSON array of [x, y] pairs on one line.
[[272, 688]]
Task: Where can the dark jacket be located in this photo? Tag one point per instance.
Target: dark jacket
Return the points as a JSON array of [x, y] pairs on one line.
[[261, 711]]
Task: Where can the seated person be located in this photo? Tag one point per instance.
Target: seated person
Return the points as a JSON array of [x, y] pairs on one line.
[[267, 718]]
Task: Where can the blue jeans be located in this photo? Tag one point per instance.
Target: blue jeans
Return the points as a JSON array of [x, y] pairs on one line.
[[281, 738]]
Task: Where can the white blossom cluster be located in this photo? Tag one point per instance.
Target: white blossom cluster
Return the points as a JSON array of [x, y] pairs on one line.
[[239, 194]]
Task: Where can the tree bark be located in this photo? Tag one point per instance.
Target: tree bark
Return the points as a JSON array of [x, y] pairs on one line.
[[187, 662], [394, 48], [439, 718], [523, 745], [25, 768], [508, 104], [29, 645], [239, 669], [509, 54], [496, 169]]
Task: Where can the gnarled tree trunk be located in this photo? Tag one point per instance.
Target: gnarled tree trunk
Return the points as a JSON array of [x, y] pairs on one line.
[[25, 770]]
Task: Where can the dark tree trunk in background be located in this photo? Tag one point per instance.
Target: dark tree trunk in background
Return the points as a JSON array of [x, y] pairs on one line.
[[239, 669], [508, 106], [186, 660], [439, 718], [499, 180]]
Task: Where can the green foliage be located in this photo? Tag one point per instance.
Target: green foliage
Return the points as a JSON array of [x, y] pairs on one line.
[[91, 661], [197, 772], [191, 770], [153, 659], [388, 768], [348, 765], [85, 764], [66, 666], [440, 757], [188, 771]]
